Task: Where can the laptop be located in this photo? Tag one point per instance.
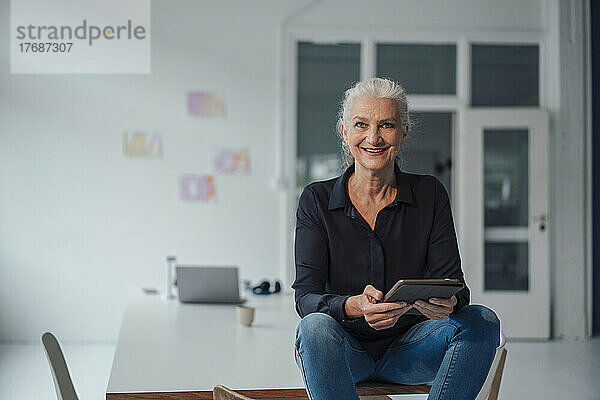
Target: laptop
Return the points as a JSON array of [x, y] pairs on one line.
[[198, 284]]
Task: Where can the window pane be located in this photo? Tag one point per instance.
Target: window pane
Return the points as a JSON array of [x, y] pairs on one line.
[[420, 68], [504, 75], [507, 266], [428, 147], [506, 177], [324, 73]]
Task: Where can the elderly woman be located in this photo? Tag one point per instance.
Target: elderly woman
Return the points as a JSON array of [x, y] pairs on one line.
[[356, 235]]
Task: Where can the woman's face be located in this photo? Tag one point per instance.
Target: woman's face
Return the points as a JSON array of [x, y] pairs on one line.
[[375, 133]]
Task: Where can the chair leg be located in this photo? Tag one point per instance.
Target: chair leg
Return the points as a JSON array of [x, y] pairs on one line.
[[497, 377]]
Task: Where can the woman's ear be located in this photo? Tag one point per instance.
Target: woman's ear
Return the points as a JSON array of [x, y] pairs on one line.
[[345, 136], [404, 135]]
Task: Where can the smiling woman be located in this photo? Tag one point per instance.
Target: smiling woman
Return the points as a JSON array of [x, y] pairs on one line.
[[358, 234]]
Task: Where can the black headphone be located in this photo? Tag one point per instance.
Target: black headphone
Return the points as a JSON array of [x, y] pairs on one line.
[[265, 288]]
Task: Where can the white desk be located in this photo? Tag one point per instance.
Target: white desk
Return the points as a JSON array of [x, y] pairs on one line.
[[181, 351]]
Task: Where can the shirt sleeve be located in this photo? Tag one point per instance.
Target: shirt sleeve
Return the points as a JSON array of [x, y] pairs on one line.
[[312, 263], [443, 258]]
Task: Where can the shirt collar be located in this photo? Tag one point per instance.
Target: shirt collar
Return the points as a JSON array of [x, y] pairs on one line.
[[339, 195]]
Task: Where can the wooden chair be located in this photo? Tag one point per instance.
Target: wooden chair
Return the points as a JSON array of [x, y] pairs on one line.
[[58, 366], [379, 391], [224, 393]]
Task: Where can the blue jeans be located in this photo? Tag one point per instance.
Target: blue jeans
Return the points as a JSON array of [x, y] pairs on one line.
[[454, 353]]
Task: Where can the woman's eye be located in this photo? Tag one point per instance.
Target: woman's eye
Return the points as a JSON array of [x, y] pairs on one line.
[[387, 125], [360, 125]]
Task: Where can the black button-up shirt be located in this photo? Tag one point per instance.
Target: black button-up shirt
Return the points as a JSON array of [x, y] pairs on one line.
[[338, 254]]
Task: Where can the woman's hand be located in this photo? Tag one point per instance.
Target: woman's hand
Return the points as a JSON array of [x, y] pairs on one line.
[[436, 308], [378, 315]]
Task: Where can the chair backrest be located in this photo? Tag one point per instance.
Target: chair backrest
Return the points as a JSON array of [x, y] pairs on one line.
[[491, 386], [58, 366], [223, 393]]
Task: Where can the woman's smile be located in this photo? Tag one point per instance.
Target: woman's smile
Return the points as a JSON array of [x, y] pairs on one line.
[[375, 151]]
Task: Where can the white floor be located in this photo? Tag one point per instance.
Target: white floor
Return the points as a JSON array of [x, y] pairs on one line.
[[550, 371]]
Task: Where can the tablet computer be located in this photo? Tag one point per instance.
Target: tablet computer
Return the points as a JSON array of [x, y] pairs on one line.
[[411, 290]]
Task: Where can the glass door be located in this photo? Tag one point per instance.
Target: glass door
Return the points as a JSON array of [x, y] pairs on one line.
[[504, 239]]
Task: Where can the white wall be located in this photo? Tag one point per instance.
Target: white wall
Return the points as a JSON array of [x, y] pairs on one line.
[[79, 222]]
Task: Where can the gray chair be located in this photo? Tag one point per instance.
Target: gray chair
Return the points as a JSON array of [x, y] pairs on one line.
[[60, 373]]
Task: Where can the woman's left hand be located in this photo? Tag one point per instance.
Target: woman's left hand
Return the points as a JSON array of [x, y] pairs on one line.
[[436, 308]]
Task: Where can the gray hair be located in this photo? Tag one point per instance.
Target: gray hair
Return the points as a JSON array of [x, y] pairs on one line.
[[381, 88]]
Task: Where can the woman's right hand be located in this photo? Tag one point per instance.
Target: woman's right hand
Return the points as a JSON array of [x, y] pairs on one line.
[[378, 315]]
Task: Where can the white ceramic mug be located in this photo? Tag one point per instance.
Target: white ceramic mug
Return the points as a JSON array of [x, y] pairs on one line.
[[245, 315]]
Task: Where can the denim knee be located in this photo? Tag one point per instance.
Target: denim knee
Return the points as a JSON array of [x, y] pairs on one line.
[[318, 330], [478, 323]]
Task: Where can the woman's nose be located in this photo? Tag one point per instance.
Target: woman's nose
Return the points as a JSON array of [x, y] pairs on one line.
[[373, 134]]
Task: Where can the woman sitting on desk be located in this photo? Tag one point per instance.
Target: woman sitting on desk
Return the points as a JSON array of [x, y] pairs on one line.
[[356, 235]]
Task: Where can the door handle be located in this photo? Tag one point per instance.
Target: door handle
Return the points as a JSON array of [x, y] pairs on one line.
[[541, 220]]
